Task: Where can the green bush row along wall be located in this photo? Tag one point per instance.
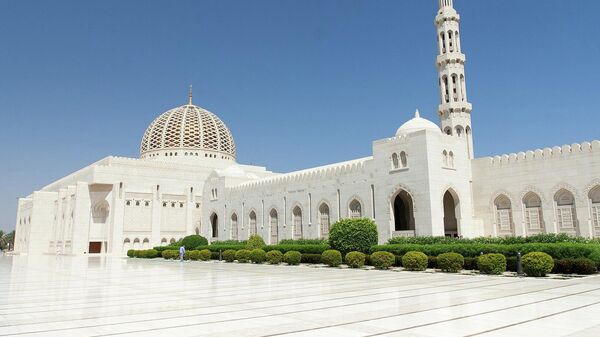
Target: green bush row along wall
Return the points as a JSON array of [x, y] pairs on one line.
[[561, 250], [538, 238]]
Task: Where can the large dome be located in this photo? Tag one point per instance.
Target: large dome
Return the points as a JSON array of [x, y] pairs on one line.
[[185, 131]]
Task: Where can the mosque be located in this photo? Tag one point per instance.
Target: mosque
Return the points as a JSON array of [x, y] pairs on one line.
[[423, 180]]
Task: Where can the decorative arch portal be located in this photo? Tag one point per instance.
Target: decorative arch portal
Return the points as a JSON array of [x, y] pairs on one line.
[[566, 217], [504, 220], [355, 209], [451, 204], [126, 245], [324, 219], [534, 219], [274, 226], [252, 223], [234, 226], [297, 220], [404, 218], [214, 225], [594, 196], [100, 211]]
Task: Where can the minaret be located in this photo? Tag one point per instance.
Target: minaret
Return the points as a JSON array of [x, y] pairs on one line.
[[454, 109]]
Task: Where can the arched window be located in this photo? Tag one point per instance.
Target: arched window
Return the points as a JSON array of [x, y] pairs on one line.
[[126, 245], [324, 220], [136, 243], [445, 158], [395, 161], [163, 242], [566, 219], [214, 224], [533, 212], [234, 226], [252, 223], [448, 131], [451, 159], [459, 131], [463, 88], [595, 201], [355, 209], [503, 215], [172, 241], [403, 159], [455, 87], [274, 224], [297, 220], [146, 244], [450, 40], [446, 89]]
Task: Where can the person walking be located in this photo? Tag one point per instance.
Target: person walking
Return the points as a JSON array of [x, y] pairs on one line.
[[181, 253]]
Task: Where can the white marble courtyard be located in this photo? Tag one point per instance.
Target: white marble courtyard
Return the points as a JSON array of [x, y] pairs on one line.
[[98, 296]]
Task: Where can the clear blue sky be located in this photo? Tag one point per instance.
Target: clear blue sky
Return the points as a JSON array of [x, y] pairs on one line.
[[299, 83]]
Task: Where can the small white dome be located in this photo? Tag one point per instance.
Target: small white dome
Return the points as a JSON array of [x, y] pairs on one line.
[[417, 124]]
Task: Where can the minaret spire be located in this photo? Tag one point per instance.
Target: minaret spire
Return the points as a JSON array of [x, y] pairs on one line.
[[190, 96], [454, 109]]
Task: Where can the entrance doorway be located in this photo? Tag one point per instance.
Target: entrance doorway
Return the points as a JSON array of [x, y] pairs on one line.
[[451, 208], [404, 219], [95, 247]]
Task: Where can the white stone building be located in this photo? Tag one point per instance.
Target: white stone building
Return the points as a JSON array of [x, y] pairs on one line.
[[424, 180]]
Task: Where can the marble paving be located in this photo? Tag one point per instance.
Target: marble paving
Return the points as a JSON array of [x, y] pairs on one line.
[[106, 296]]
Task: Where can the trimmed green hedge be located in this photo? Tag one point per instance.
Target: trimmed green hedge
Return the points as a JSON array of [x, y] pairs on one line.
[[292, 258], [304, 242], [347, 235], [494, 264], [415, 260], [258, 256], [242, 256], [537, 264], [304, 249], [355, 259], [382, 260], [274, 257], [255, 241], [222, 247], [561, 250], [192, 241], [308, 258], [161, 249], [450, 262], [229, 255], [538, 238]]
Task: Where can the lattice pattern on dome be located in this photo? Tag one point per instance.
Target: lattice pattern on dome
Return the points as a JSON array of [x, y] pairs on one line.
[[188, 127]]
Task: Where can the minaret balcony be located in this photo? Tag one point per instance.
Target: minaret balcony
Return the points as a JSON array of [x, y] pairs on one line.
[[460, 106], [451, 57]]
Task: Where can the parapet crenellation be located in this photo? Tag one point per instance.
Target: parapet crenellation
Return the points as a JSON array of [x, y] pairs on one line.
[[583, 148], [321, 172]]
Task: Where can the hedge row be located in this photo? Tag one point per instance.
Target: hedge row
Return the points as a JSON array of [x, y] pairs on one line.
[[561, 250], [538, 238]]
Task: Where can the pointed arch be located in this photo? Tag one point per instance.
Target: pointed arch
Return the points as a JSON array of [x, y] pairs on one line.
[[566, 216], [252, 228], [403, 159], [274, 225], [146, 243], [136, 243], [126, 245], [100, 211], [234, 226], [355, 208], [451, 207], [532, 212], [214, 225], [503, 215], [163, 242], [402, 206], [324, 219], [297, 221], [594, 197]]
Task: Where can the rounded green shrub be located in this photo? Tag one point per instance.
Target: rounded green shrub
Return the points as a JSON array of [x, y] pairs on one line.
[[204, 254], [190, 242], [493, 264], [194, 255], [537, 264], [311, 258], [332, 258], [242, 256], [170, 254], [292, 258], [382, 260], [274, 257], [255, 241], [258, 256], [349, 235], [131, 253], [450, 262], [416, 261], [355, 259], [470, 263], [151, 253], [229, 255]]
